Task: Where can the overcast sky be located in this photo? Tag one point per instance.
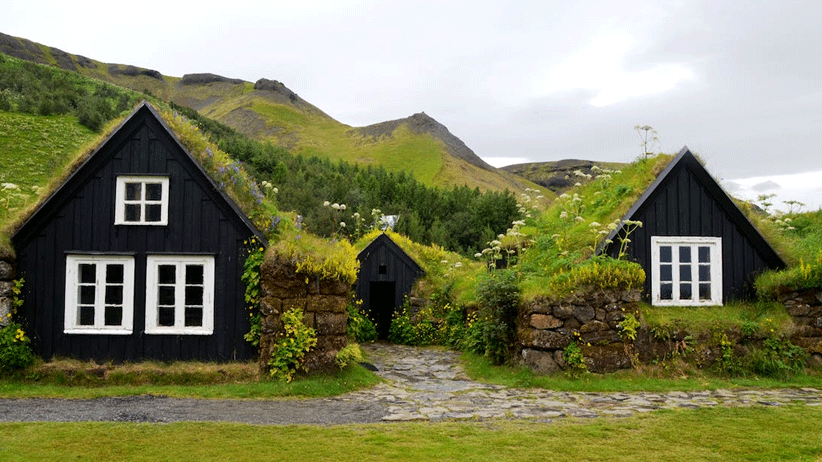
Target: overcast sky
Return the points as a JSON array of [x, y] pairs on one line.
[[740, 83]]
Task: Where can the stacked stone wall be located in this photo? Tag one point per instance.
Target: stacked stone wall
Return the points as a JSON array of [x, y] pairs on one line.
[[7, 275], [547, 326], [805, 307], [323, 302]]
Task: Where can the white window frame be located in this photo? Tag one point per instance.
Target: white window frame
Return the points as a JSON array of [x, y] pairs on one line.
[[675, 242], [71, 324], [120, 200], [153, 263]]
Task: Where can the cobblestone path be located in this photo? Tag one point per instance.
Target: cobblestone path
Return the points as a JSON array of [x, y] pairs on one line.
[[420, 384], [429, 384]]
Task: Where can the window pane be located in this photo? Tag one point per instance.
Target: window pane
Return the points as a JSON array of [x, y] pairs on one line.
[[153, 213], [114, 315], [666, 291], [165, 295], [165, 316], [665, 254], [194, 274], [194, 295], [132, 212], [704, 291], [88, 273], [114, 274], [685, 291], [665, 273], [194, 316], [167, 274], [114, 295], [87, 295], [86, 315], [704, 254], [134, 191], [684, 254], [684, 272], [154, 191], [704, 273]]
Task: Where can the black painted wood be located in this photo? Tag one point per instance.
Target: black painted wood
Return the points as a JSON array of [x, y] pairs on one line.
[[79, 218], [382, 262], [685, 200]]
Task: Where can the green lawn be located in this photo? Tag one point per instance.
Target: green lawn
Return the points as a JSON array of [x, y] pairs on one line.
[[718, 434]]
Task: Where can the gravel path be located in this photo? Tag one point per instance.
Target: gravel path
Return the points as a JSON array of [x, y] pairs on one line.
[[420, 384]]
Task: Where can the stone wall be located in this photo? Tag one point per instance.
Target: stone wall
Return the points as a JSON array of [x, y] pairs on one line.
[[805, 307], [547, 326], [323, 302], [7, 275]]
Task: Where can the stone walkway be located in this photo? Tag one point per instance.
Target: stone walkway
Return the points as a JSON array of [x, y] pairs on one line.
[[429, 384], [420, 384]]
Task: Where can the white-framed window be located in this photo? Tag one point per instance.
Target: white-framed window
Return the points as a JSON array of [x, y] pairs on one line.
[[99, 294], [179, 294], [141, 200], [686, 271]]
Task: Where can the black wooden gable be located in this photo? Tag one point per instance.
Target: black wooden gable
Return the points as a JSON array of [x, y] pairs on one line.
[[685, 200], [78, 218], [387, 275], [142, 132]]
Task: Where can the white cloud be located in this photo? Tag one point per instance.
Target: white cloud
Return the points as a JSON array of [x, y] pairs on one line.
[[600, 69], [803, 187]]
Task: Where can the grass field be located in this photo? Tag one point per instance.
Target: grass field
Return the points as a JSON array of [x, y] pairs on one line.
[[717, 434]]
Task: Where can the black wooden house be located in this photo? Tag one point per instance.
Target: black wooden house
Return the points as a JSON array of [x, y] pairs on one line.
[[387, 275], [696, 246], [136, 255]]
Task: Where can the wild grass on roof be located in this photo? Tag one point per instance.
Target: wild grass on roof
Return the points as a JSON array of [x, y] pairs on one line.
[[562, 239]]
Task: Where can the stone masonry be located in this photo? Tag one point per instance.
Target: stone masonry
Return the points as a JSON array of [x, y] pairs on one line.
[[591, 318], [323, 302], [7, 275], [805, 307]]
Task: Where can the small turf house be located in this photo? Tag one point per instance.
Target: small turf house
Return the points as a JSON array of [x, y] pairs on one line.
[[696, 246], [137, 255], [386, 276]]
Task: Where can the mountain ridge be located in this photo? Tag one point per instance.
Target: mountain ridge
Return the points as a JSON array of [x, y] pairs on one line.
[[267, 110]]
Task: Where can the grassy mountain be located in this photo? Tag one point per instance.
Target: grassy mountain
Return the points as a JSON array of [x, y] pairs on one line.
[[268, 111], [48, 112]]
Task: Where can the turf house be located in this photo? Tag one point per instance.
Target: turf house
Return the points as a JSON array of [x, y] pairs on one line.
[[387, 275], [696, 246], [137, 255]]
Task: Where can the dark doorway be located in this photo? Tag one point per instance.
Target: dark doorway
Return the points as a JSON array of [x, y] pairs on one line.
[[382, 305]]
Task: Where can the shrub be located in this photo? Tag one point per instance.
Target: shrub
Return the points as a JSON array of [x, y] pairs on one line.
[[360, 327], [349, 354], [778, 357], [291, 346], [15, 348], [251, 279], [498, 297], [574, 360]]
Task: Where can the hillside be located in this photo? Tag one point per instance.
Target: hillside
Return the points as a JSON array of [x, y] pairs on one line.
[[268, 111], [558, 176]]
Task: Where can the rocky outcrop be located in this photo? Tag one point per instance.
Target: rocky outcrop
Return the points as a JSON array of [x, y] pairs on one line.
[[133, 71], [323, 302], [276, 87], [591, 319], [205, 78]]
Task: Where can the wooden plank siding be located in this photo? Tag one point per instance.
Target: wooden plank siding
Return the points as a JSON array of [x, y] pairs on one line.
[[686, 201], [79, 219]]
